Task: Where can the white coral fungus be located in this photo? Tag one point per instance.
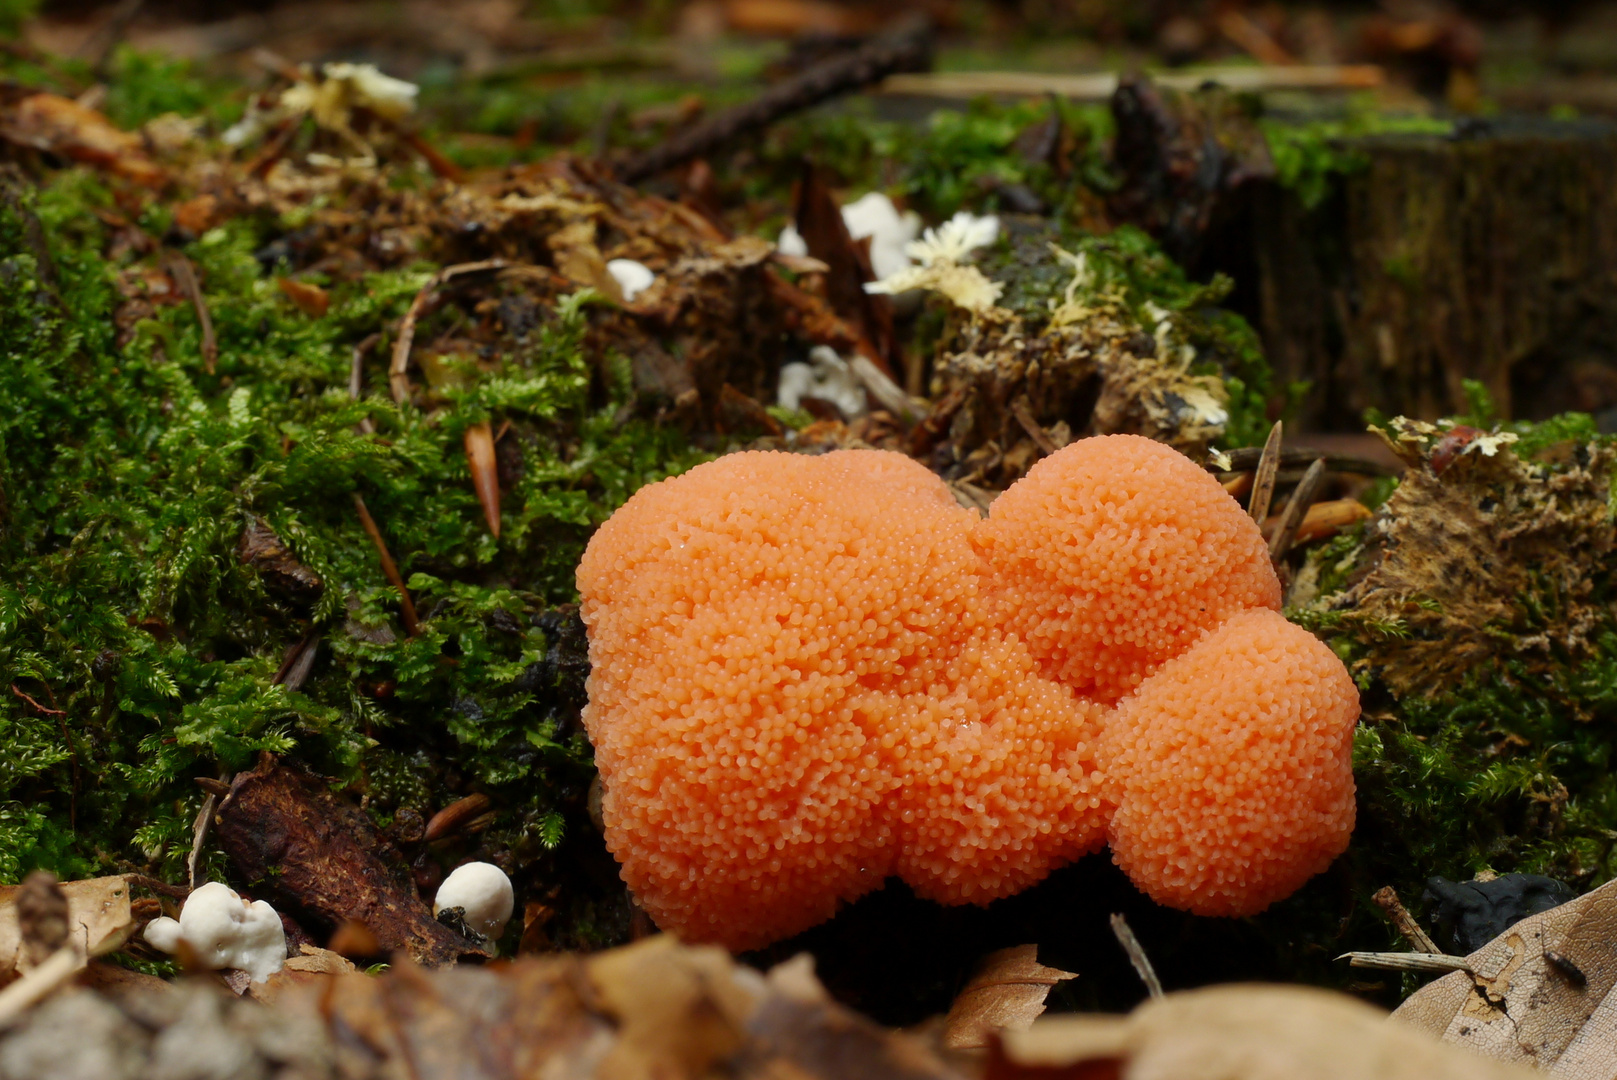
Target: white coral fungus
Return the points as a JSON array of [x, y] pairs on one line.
[[874, 215], [343, 88], [224, 931], [941, 252], [483, 894], [826, 376]]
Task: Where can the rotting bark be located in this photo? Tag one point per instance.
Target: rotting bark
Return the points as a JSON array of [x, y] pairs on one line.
[[1490, 255], [321, 857]]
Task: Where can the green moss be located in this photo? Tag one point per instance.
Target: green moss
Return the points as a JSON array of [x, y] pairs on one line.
[[128, 476], [1310, 156]]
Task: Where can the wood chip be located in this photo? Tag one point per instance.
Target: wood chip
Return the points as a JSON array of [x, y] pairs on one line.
[[1263, 482]]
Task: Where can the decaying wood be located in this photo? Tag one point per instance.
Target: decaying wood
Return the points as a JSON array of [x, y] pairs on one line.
[[1487, 255], [322, 858], [909, 49]]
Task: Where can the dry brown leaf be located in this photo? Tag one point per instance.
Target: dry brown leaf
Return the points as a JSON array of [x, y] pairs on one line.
[[1245, 1032], [679, 1009], [99, 918], [1006, 994], [60, 125], [313, 965], [1539, 994]]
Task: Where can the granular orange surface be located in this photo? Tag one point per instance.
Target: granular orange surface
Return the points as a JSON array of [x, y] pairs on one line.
[[1115, 553], [1233, 767], [794, 694], [811, 673]]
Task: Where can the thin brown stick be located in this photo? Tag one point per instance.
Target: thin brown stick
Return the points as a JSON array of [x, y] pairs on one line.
[[199, 837], [1246, 458], [1035, 431], [356, 379], [1263, 484], [398, 376], [1386, 899], [1302, 497], [908, 49], [1136, 954], [42, 709], [412, 626], [1433, 963], [179, 267]]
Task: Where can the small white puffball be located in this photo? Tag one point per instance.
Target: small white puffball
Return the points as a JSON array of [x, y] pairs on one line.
[[482, 892], [224, 931], [826, 376], [164, 933], [632, 277]]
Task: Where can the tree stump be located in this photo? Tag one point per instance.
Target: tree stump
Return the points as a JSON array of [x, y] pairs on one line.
[[1490, 254]]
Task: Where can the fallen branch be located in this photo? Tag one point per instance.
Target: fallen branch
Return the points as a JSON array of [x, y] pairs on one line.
[[907, 50], [1101, 86]]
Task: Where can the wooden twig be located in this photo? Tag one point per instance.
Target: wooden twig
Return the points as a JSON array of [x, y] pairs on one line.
[[1263, 484], [1100, 87], [1136, 954], [42, 709], [1386, 899], [100, 46], [299, 661], [1246, 458], [1302, 496], [356, 379], [389, 568], [907, 50], [1034, 429], [1406, 961], [199, 837], [398, 375], [179, 267]]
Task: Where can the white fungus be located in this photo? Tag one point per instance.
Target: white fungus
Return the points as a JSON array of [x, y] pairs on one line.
[[633, 278], [826, 376], [224, 931], [482, 892], [874, 215]]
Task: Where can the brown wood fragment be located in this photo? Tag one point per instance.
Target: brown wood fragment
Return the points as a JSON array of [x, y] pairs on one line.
[[321, 857], [452, 817], [1301, 498], [310, 299], [262, 549], [1263, 484]]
